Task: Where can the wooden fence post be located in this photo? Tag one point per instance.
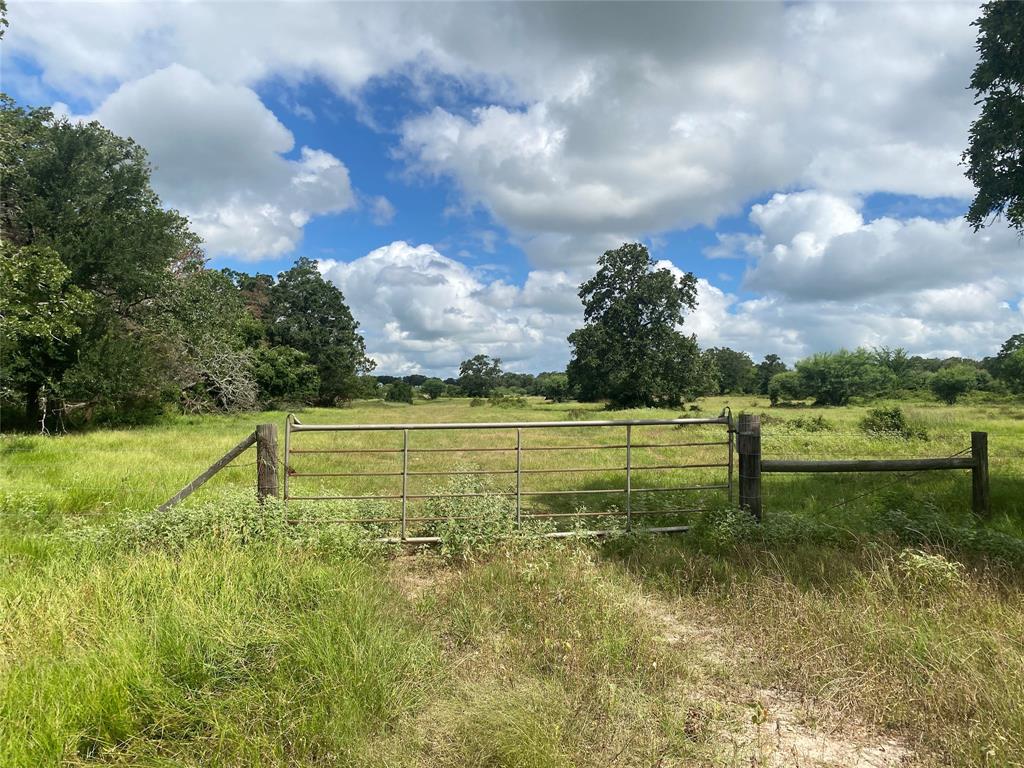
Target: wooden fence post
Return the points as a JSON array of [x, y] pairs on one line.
[[748, 445], [981, 502], [266, 461]]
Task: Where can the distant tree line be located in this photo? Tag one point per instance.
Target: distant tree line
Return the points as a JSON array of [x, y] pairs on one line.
[[108, 312]]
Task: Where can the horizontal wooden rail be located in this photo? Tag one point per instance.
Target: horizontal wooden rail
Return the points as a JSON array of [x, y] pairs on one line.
[[748, 443], [865, 465]]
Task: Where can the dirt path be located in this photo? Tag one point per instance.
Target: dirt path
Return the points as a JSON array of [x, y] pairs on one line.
[[755, 727], [775, 728]]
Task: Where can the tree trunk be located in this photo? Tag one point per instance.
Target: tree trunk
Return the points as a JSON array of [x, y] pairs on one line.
[[32, 412]]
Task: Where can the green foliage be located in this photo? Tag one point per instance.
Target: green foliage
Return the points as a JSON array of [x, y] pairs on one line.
[[812, 424], [121, 378], [502, 397], [473, 526], [736, 372], [785, 387], [723, 528], [310, 315], [40, 313], [79, 194], [433, 388], [552, 386], [479, 375], [766, 369], [995, 154], [399, 392], [236, 518], [285, 376], [833, 378], [1012, 370], [1008, 364], [948, 384], [897, 362], [891, 422], [629, 350]]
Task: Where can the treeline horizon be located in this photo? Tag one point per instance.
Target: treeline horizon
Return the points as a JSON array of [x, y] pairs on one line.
[[830, 378]]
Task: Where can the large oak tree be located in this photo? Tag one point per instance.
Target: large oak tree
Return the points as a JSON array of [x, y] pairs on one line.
[[630, 350]]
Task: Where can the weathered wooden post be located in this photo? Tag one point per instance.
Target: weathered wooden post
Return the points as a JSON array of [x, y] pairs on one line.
[[981, 502], [266, 461], [748, 445]]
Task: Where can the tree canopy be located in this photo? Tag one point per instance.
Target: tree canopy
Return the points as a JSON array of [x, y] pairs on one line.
[[479, 375], [630, 350], [995, 152], [109, 312]]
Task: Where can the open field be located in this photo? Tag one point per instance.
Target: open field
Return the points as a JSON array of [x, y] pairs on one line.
[[867, 622]]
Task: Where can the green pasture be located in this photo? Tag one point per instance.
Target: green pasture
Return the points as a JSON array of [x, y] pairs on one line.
[[865, 613]]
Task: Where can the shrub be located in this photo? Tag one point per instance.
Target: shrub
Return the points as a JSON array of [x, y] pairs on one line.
[[508, 401], [833, 378], [950, 383], [433, 388], [925, 572], [399, 392], [721, 529], [235, 517], [477, 402], [784, 387], [285, 375], [473, 526], [812, 424], [891, 422]]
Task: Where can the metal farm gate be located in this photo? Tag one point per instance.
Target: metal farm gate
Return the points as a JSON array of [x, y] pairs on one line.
[[659, 470]]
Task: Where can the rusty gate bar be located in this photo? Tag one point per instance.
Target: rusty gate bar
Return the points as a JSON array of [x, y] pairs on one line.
[[293, 424]]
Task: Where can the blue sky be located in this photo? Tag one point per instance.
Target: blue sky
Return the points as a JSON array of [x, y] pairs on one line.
[[457, 169]]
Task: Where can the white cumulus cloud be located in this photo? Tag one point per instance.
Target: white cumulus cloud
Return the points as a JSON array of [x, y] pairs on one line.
[[423, 311], [221, 157]]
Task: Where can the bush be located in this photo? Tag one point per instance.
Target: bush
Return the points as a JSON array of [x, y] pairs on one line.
[[718, 530], [891, 422], [285, 375], [433, 388], [812, 424], [399, 392], [477, 402], [235, 517], [833, 378], [950, 383], [784, 387], [508, 401], [474, 526]]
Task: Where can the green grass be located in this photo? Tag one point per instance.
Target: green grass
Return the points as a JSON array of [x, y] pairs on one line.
[[220, 635]]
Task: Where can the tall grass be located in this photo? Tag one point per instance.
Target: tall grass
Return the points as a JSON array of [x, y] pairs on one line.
[[222, 633]]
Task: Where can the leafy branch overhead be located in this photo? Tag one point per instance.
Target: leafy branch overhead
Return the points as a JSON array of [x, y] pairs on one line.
[[995, 153]]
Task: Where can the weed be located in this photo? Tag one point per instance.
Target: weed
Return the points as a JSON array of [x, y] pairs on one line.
[[812, 424], [891, 422]]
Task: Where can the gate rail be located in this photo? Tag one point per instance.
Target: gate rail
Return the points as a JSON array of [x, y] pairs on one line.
[[293, 426]]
